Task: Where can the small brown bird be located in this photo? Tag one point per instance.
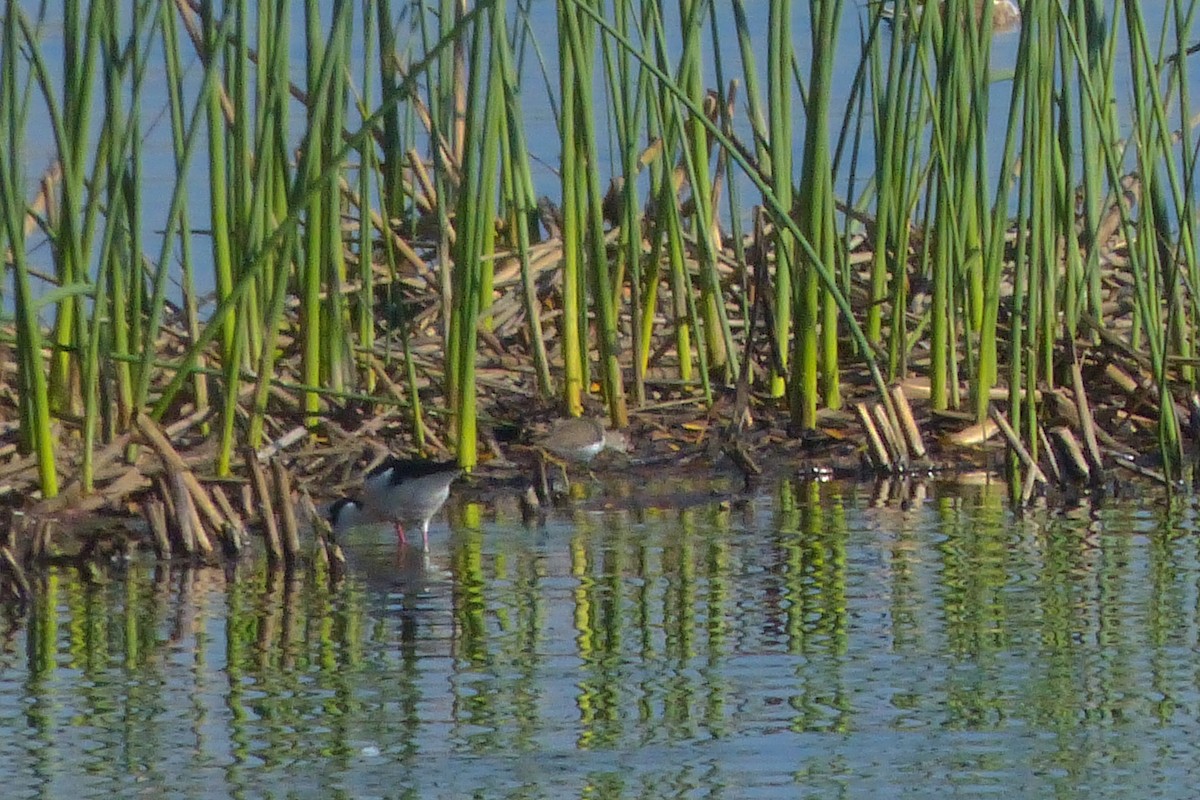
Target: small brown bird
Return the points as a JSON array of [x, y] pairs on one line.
[[577, 440], [580, 439]]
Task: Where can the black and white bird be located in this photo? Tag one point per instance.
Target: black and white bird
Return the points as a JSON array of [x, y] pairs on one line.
[[398, 491]]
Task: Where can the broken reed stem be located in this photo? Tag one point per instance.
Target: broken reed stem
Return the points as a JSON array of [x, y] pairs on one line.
[[1075, 463], [895, 444], [235, 530], [908, 423], [258, 481], [329, 550], [1015, 443], [1087, 424], [876, 447], [193, 499], [291, 531], [13, 567], [156, 514], [1049, 449], [191, 530]]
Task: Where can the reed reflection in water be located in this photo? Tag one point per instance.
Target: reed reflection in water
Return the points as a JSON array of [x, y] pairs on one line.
[[814, 638]]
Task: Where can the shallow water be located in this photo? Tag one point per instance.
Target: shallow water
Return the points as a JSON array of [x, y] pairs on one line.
[[809, 640]]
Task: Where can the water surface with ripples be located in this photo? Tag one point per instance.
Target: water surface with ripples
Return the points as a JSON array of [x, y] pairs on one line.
[[801, 640]]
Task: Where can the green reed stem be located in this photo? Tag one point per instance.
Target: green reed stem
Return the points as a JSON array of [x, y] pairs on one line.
[[580, 38], [300, 194], [36, 432], [718, 340], [816, 377], [779, 214], [779, 109], [521, 202]]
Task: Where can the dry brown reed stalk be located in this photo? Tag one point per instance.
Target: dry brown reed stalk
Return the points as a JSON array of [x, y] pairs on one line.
[[1016, 444], [878, 451], [291, 530], [12, 567], [156, 514], [908, 424], [262, 494]]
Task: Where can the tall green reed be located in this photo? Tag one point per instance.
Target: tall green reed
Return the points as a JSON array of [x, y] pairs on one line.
[[815, 376], [37, 433]]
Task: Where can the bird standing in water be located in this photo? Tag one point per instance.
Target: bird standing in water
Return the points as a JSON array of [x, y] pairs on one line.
[[398, 491]]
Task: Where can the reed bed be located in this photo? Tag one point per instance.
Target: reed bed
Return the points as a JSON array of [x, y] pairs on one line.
[[374, 262]]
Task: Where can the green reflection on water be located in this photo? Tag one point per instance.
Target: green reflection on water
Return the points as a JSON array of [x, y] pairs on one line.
[[623, 655]]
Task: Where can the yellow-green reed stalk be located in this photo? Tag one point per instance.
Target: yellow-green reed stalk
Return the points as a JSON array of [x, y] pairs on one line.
[[779, 147], [1094, 60], [446, 101], [987, 369], [174, 81], [667, 231], [718, 340], [78, 209], [669, 118], [268, 205], [829, 243], [299, 195], [813, 379], [573, 326], [889, 108], [230, 169], [338, 340], [779, 215], [1046, 227], [971, 152], [960, 112], [628, 84], [1040, 228], [1074, 287], [747, 41], [1023, 338], [673, 166], [580, 38], [475, 227], [520, 202], [912, 111], [241, 169], [147, 365], [1155, 264], [126, 152], [447, 108], [121, 243], [395, 133], [369, 166], [37, 436], [270, 157], [225, 215], [723, 98], [1185, 185], [316, 228], [218, 187], [1167, 200]]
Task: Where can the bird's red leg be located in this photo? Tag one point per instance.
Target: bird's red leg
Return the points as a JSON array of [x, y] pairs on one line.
[[400, 533]]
